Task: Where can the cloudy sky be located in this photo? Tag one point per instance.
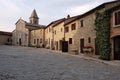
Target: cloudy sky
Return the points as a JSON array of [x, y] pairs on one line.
[[47, 10]]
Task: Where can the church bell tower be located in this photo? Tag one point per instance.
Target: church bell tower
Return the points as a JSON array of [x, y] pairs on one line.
[[34, 19]]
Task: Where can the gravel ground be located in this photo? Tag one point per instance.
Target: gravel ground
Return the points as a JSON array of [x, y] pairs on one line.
[[24, 63]]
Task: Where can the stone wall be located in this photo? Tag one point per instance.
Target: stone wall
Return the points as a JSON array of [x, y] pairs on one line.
[[58, 35], [114, 32], [49, 37], [21, 33], [5, 39], [37, 37], [85, 32]]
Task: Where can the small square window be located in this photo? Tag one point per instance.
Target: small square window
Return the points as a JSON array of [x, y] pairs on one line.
[[66, 29], [49, 29], [81, 23], [117, 18], [40, 40], [73, 26], [89, 40], [55, 31], [70, 40], [34, 41], [61, 29]]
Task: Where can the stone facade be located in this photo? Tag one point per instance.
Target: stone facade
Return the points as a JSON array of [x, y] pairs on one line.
[[21, 33], [49, 36], [58, 35], [115, 33], [29, 33], [5, 38], [37, 37], [78, 31], [84, 29], [84, 34]]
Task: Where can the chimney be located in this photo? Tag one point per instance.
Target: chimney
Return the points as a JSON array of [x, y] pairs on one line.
[[68, 16]]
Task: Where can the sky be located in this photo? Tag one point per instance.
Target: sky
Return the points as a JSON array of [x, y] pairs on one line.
[[48, 10]]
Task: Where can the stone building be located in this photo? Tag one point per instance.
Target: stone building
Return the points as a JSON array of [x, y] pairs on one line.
[[26, 33], [5, 38], [21, 33], [115, 32], [58, 34], [80, 30], [74, 35], [37, 37], [50, 34]]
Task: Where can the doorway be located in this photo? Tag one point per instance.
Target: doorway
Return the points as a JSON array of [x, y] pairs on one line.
[[117, 48], [64, 46], [60, 45], [96, 48], [20, 42], [81, 45], [56, 45]]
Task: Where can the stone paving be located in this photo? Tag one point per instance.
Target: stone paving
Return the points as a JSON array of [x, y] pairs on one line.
[[24, 63]]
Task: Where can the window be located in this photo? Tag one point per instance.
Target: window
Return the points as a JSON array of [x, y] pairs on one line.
[[61, 29], [89, 40], [41, 31], [8, 40], [49, 29], [49, 40], [81, 23], [70, 40], [40, 40], [55, 31], [37, 41], [117, 18], [66, 29], [73, 26], [34, 41]]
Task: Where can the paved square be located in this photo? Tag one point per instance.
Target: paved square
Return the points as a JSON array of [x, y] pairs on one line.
[[24, 63]]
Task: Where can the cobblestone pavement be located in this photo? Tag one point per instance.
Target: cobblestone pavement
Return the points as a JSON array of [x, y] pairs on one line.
[[24, 63]]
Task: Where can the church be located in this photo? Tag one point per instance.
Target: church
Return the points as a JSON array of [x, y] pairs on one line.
[[29, 33]]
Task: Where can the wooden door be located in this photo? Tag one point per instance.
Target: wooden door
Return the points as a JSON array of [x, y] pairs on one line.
[[81, 45], [64, 46]]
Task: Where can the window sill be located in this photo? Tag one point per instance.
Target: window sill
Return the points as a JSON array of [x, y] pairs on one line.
[[115, 26]]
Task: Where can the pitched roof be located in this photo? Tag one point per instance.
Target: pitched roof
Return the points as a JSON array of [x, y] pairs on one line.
[[5, 33], [20, 20], [114, 8], [56, 22], [71, 19], [34, 14], [89, 12], [34, 26]]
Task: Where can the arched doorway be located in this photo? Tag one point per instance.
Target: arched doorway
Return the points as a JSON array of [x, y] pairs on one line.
[[20, 42], [117, 48]]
